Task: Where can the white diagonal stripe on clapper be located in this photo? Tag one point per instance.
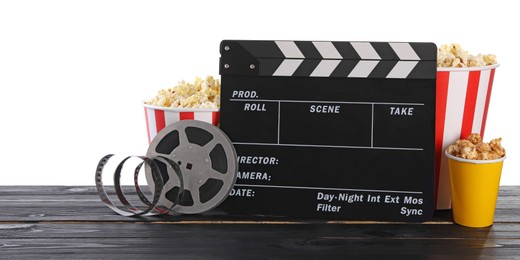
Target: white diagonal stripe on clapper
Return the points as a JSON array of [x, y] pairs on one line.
[[325, 68], [289, 49], [365, 51], [288, 67], [327, 50], [480, 105], [401, 69], [404, 50], [363, 68]]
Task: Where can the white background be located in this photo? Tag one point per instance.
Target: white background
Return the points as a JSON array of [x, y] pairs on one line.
[[73, 73]]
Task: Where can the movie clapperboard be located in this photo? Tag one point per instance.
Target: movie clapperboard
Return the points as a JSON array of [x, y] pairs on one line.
[[331, 130]]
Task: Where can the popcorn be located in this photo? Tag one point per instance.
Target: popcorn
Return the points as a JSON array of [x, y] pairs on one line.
[[201, 94], [474, 149], [455, 57]]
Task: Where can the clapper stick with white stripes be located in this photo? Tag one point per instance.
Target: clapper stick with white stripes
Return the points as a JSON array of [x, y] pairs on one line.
[[397, 60]]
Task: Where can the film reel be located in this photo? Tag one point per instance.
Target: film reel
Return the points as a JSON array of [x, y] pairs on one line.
[[208, 162]]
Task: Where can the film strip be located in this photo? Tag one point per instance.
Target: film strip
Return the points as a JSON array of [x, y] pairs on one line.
[[190, 167]]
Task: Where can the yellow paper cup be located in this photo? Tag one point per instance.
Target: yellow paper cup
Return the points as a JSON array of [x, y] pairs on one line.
[[474, 190]]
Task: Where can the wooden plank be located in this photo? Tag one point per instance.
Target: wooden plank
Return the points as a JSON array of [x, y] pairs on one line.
[[71, 222], [174, 230], [134, 241], [62, 203]]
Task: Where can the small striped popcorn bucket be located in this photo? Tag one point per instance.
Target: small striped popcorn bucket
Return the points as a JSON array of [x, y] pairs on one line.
[[159, 117], [463, 96]]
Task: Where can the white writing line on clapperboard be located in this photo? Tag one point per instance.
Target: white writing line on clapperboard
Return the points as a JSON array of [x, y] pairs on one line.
[[278, 138], [336, 146], [372, 129], [322, 188], [328, 101]]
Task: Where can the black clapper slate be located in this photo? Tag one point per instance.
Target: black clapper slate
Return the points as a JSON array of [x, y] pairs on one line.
[[331, 130]]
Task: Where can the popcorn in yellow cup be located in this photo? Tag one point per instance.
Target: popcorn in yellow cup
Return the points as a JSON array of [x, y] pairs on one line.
[[475, 168]]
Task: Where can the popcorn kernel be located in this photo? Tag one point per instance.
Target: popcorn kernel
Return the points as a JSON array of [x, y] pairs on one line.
[[474, 149]]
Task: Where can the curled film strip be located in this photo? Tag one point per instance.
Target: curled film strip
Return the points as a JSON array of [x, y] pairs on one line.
[[152, 208], [190, 167]]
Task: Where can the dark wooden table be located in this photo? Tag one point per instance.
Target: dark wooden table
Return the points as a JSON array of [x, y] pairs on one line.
[[71, 223]]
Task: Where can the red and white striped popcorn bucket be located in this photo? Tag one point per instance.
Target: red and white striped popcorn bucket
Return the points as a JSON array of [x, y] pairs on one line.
[[159, 117], [463, 96]]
